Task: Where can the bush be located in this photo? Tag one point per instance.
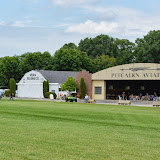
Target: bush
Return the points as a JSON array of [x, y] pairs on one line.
[[12, 84], [7, 93], [45, 87], [83, 88], [47, 95], [55, 96]]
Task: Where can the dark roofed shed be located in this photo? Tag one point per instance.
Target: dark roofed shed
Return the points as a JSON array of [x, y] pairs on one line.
[[58, 76]]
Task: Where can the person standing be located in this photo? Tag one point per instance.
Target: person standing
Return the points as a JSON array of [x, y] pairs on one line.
[[123, 95], [78, 96], [140, 96], [61, 96], [155, 95], [86, 98], [11, 98]]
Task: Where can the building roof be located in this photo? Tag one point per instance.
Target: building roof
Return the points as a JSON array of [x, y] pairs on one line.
[[58, 76], [132, 71]]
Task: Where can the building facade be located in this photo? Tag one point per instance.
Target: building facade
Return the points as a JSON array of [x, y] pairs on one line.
[[110, 83], [133, 79], [87, 79], [31, 84]]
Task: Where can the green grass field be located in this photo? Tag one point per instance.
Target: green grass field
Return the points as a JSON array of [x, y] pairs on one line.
[[36, 130]]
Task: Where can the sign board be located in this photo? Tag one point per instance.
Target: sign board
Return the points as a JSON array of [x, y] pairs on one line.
[[134, 71], [32, 77]]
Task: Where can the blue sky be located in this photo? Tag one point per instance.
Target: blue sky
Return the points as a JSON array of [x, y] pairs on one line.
[[46, 25]]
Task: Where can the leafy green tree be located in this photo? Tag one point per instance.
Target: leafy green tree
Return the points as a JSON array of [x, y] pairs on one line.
[[47, 61], [71, 60], [7, 93], [9, 68], [87, 63], [67, 60], [125, 51], [83, 88], [102, 44], [12, 84], [69, 85], [36, 60], [103, 62], [69, 46], [45, 87], [87, 46], [122, 50], [147, 49]]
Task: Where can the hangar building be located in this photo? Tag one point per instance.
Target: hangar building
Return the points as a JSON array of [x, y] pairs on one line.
[[132, 78], [109, 83]]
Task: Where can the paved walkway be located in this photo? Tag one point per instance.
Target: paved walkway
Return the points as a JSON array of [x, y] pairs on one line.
[[111, 102], [133, 103]]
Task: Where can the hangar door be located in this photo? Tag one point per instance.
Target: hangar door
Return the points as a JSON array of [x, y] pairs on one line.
[[135, 87], [30, 90]]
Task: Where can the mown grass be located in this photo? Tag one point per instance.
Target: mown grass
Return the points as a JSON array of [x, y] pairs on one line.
[[36, 130]]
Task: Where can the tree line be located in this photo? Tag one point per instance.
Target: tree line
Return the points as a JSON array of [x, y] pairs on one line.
[[92, 54]]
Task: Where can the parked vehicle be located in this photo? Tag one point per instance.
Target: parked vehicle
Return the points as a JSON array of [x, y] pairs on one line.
[[1, 96], [71, 99]]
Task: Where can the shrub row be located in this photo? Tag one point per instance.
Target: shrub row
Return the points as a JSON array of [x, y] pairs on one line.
[[47, 95], [7, 93]]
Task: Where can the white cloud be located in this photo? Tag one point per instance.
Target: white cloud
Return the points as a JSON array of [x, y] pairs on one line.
[[90, 27], [2, 23], [21, 23], [117, 21], [68, 3]]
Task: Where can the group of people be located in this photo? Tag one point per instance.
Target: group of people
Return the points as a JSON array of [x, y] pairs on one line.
[[127, 96], [153, 97], [86, 98], [62, 96], [11, 96]]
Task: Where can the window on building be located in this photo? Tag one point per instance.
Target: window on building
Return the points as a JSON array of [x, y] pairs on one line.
[[98, 90], [128, 87], [53, 91], [142, 87], [110, 87]]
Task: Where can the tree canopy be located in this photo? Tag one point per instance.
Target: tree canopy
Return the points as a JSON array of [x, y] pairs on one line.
[[102, 44], [124, 51], [69, 85], [91, 54], [102, 62], [12, 85], [121, 49], [37, 60], [9, 68], [71, 60], [148, 48], [83, 88]]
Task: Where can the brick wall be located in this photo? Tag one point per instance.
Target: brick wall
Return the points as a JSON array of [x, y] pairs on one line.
[[88, 80]]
